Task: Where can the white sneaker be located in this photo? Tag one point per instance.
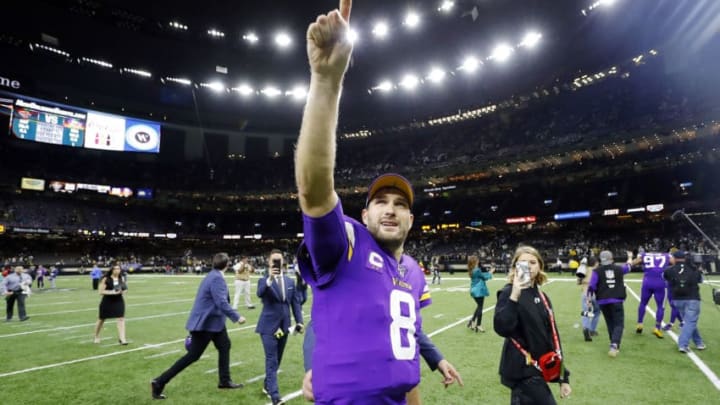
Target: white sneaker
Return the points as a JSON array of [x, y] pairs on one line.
[[684, 350], [701, 346]]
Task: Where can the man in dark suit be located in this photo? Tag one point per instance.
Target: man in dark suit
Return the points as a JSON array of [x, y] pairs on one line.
[[207, 323], [278, 295]]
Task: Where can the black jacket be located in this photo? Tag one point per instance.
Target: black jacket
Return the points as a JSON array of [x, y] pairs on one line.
[[684, 280], [529, 323]]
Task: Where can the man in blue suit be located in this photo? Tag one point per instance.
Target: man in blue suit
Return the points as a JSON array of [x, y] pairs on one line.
[[207, 323], [278, 295]]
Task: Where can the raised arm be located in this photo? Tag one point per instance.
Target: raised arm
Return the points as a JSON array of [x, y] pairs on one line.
[[328, 52]]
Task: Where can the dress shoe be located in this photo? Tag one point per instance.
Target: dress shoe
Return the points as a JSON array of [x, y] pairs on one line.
[[156, 389], [229, 385], [24, 319]]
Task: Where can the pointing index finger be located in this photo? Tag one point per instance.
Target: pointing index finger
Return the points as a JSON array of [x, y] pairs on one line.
[[345, 8]]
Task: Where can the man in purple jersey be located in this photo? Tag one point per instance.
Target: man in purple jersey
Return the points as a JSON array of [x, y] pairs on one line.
[[652, 285], [367, 294]]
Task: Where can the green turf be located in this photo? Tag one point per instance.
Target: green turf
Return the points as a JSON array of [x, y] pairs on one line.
[[51, 359]]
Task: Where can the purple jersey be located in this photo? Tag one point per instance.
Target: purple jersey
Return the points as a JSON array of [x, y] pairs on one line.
[[365, 313], [653, 265]]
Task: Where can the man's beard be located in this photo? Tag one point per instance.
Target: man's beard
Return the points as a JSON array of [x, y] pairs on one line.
[[389, 242]]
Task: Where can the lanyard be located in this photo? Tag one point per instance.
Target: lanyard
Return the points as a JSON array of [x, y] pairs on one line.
[[556, 342]]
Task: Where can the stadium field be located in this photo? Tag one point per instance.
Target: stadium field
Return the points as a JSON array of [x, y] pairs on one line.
[[51, 359]]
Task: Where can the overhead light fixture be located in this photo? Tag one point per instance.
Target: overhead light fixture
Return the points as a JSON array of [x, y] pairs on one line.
[[501, 53], [101, 63], [470, 64], [282, 40], [446, 6], [384, 86], [531, 39], [215, 33], [380, 30], [137, 72], [271, 91], [179, 80], [412, 19], [436, 75], [251, 38], [352, 36], [179, 26], [409, 82], [216, 86], [244, 89]]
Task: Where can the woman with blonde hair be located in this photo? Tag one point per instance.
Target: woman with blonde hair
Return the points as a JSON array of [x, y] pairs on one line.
[[112, 288], [478, 290], [532, 354]]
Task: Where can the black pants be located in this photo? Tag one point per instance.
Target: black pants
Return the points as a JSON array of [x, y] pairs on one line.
[[200, 341], [532, 391], [477, 316], [614, 315], [10, 304], [95, 283]]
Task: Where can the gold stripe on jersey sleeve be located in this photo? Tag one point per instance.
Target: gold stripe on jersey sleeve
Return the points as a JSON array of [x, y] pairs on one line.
[[425, 296]]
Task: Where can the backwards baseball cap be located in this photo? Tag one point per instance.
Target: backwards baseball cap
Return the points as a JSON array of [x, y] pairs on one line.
[[391, 180], [606, 257]]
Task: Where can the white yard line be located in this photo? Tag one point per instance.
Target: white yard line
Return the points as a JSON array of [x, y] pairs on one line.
[[695, 359], [103, 356], [86, 325], [162, 354], [214, 370], [94, 308]]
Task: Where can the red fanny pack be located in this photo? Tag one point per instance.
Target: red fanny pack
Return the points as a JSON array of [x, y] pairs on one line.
[[550, 365]]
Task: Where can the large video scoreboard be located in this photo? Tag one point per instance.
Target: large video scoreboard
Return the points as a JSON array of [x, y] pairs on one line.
[[43, 121]]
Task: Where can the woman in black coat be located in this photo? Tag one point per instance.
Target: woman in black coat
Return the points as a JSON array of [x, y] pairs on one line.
[[532, 354]]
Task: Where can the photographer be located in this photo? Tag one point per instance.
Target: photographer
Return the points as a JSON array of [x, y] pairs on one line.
[[278, 295], [16, 286], [532, 355]]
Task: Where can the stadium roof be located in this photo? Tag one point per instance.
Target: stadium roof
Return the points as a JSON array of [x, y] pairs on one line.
[[165, 56]]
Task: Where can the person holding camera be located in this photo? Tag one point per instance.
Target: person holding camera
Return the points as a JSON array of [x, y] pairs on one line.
[[205, 324], [684, 279], [279, 297], [17, 287], [112, 287], [532, 355]]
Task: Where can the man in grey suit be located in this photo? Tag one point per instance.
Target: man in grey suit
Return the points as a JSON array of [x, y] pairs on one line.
[[279, 296], [207, 323]]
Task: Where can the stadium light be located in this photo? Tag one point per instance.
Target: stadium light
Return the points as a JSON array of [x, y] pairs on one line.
[[412, 20], [352, 36], [298, 92], [531, 39], [244, 89], [409, 82], [436, 75], [384, 86], [282, 40], [380, 30], [251, 38], [179, 26], [470, 64], [217, 87], [501, 53], [98, 62], [446, 6], [179, 80], [138, 72], [215, 33], [271, 91]]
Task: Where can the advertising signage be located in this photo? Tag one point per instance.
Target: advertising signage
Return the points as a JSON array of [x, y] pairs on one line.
[[57, 124]]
